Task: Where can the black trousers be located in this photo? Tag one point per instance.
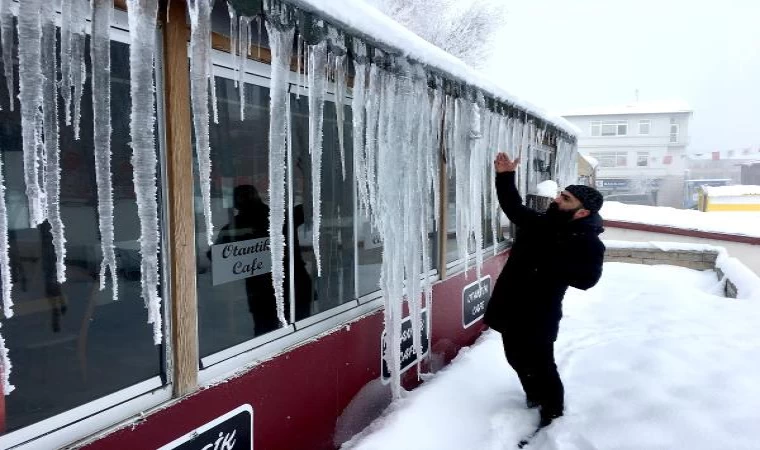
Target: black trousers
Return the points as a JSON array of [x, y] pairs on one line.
[[532, 357]]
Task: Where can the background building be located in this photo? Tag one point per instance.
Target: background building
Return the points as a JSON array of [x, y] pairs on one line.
[[641, 149]]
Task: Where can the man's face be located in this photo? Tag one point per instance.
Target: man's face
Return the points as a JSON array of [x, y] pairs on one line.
[[567, 202]]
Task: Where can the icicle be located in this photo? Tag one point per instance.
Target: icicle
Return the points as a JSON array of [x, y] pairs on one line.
[[281, 45], [372, 116], [52, 169], [317, 81], [340, 100], [74, 18], [5, 367], [6, 281], [100, 55], [200, 61], [233, 40], [299, 58], [475, 225], [244, 42], [6, 35], [358, 116], [258, 44], [142, 26], [30, 96], [434, 167]]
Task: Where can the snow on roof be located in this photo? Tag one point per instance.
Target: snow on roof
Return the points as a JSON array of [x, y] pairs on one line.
[[662, 107], [375, 27], [591, 160], [731, 191], [737, 223]]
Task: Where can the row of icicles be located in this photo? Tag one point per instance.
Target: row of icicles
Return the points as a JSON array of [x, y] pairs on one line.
[[399, 125]]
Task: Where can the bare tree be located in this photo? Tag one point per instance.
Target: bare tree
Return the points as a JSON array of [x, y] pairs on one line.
[[465, 29]]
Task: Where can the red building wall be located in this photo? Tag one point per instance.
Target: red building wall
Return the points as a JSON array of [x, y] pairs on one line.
[[299, 396]]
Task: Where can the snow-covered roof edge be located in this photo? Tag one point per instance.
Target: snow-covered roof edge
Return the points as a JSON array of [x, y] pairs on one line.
[[731, 191], [374, 27], [661, 107]]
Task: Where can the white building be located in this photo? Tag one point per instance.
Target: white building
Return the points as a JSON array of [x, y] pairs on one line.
[[641, 149]]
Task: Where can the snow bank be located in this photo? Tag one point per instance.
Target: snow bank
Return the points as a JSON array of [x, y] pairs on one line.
[[650, 358], [738, 223], [746, 281], [373, 26], [731, 191]]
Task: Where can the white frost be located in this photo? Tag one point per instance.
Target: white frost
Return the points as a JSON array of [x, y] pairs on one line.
[[142, 26], [73, 72]]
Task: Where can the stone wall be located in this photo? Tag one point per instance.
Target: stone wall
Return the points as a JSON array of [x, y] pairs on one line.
[[692, 259]]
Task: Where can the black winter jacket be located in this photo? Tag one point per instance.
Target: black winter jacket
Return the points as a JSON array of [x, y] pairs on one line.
[[545, 259]]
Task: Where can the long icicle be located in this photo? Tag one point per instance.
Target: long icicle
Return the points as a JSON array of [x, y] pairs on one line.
[[142, 26], [100, 55], [52, 168], [30, 96], [6, 35], [6, 280], [317, 81], [200, 59], [281, 45]]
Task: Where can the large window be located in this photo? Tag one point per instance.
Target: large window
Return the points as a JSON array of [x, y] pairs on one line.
[[609, 128], [72, 343], [612, 159], [236, 306]]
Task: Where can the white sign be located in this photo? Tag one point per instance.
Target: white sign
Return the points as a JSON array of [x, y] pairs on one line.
[[239, 260]]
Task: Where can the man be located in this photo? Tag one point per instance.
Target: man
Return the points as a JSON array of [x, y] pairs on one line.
[[551, 251]]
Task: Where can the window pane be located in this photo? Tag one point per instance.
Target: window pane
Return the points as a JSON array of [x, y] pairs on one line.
[[234, 304], [642, 159], [609, 129], [336, 285], [452, 249], [595, 128], [622, 129], [644, 127], [72, 343], [622, 160]]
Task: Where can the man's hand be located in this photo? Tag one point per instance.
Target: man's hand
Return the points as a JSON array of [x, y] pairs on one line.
[[503, 164]]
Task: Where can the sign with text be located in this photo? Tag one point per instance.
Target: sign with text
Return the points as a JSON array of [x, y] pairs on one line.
[[475, 298], [408, 355], [232, 431], [238, 260]]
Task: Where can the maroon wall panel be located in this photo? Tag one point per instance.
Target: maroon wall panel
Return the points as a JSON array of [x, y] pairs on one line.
[[298, 396]]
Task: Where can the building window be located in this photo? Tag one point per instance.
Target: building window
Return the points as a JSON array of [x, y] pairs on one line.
[[609, 128], [644, 126], [612, 159], [71, 343], [673, 133], [642, 159]]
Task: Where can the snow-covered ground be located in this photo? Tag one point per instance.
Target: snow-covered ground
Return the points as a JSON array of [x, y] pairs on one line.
[[742, 223], [651, 358]]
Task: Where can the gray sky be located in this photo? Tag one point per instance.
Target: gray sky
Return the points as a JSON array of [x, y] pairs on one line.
[[568, 54]]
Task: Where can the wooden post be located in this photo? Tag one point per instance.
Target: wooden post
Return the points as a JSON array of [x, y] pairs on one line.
[[181, 220]]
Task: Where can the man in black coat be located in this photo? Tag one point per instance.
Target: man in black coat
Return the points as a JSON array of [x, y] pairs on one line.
[[551, 251]]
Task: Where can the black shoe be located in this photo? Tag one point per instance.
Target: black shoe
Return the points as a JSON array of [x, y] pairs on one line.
[[547, 417]]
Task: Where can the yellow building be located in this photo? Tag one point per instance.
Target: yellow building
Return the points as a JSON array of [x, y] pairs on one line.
[[729, 198]]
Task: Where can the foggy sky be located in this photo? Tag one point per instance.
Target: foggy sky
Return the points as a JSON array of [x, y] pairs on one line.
[[567, 54]]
